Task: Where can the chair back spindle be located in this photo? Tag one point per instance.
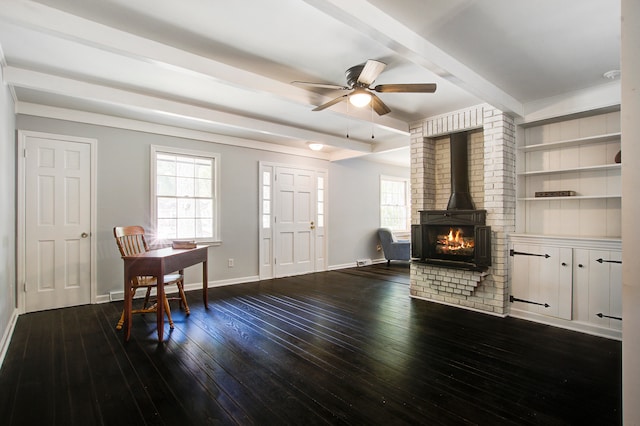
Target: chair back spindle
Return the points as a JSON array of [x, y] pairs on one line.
[[130, 240]]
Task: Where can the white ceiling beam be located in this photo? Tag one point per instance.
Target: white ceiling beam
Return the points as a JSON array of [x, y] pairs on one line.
[[38, 110], [60, 24], [162, 107], [371, 21]]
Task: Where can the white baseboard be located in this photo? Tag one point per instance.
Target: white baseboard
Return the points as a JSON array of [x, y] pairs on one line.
[[103, 298], [354, 264], [118, 295], [569, 325], [342, 266], [6, 336]]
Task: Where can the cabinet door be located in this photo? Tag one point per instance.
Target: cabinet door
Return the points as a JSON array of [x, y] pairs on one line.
[[542, 280], [598, 287]]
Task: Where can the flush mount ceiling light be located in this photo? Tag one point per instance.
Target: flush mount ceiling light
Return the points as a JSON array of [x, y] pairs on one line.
[[314, 146], [360, 98], [612, 75]]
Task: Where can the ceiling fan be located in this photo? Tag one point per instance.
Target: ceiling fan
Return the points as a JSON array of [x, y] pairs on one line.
[[359, 81]]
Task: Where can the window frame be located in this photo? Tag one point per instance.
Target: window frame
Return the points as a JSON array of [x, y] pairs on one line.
[[215, 197], [407, 186]]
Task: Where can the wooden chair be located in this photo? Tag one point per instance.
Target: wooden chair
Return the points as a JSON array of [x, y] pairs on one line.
[[130, 241]]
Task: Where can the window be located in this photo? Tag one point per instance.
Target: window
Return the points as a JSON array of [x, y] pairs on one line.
[[184, 193], [320, 206], [395, 203], [266, 199]]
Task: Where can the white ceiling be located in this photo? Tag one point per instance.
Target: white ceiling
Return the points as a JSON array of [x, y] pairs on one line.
[[225, 67]]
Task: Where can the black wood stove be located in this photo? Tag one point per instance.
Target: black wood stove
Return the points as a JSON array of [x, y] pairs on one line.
[[456, 237]]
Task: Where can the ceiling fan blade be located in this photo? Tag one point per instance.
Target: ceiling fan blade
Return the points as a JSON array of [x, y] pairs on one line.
[[370, 72], [320, 85], [378, 106], [406, 88], [330, 103]]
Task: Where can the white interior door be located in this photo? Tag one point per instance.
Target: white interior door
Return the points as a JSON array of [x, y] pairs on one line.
[[57, 218], [294, 221]]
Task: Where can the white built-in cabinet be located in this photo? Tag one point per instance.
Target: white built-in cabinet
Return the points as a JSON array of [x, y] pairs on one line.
[[569, 282], [572, 260]]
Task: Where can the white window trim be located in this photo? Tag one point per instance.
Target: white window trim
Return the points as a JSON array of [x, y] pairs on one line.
[[154, 149], [407, 186]]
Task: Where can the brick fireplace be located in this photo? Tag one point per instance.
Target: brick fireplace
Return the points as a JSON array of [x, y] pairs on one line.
[[491, 162]]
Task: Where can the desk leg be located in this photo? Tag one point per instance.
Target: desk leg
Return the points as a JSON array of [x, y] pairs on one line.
[[205, 284], [127, 304], [160, 304]]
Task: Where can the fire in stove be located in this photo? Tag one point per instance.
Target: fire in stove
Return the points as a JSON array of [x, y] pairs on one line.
[[455, 243]]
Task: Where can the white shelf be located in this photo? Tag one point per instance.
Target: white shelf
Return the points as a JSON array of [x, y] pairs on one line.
[[574, 197], [602, 167], [571, 142]]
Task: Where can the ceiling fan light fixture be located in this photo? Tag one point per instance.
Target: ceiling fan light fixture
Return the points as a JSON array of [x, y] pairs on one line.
[[360, 98], [314, 146], [612, 74]]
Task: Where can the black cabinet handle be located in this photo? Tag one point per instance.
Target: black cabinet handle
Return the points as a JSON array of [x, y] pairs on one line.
[[515, 299], [564, 264], [608, 261], [512, 253], [580, 265], [601, 315]]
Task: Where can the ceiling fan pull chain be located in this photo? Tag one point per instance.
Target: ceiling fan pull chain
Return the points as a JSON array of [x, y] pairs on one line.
[[372, 122], [348, 120]]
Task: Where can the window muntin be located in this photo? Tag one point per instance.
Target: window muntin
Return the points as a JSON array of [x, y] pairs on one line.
[[266, 199], [320, 206]]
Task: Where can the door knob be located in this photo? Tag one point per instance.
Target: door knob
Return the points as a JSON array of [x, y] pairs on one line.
[[313, 226], [84, 235]]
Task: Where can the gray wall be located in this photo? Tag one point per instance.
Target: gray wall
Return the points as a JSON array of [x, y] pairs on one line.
[[123, 198], [7, 213], [354, 216]]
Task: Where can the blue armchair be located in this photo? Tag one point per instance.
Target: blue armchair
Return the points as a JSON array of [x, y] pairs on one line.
[[392, 248]]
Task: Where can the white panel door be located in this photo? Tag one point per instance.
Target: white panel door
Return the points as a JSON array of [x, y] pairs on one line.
[[57, 223], [294, 226]]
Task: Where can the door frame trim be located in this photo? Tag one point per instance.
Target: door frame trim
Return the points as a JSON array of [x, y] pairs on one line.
[[21, 210]]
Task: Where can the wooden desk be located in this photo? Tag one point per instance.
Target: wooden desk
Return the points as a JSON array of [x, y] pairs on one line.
[[157, 263]]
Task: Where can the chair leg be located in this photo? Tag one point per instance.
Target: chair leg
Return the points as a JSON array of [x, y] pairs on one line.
[[183, 297], [167, 310], [146, 298], [121, 322], [145, 308]]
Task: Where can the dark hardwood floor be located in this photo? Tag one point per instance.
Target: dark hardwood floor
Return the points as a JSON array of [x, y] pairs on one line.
[[339, 347]]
